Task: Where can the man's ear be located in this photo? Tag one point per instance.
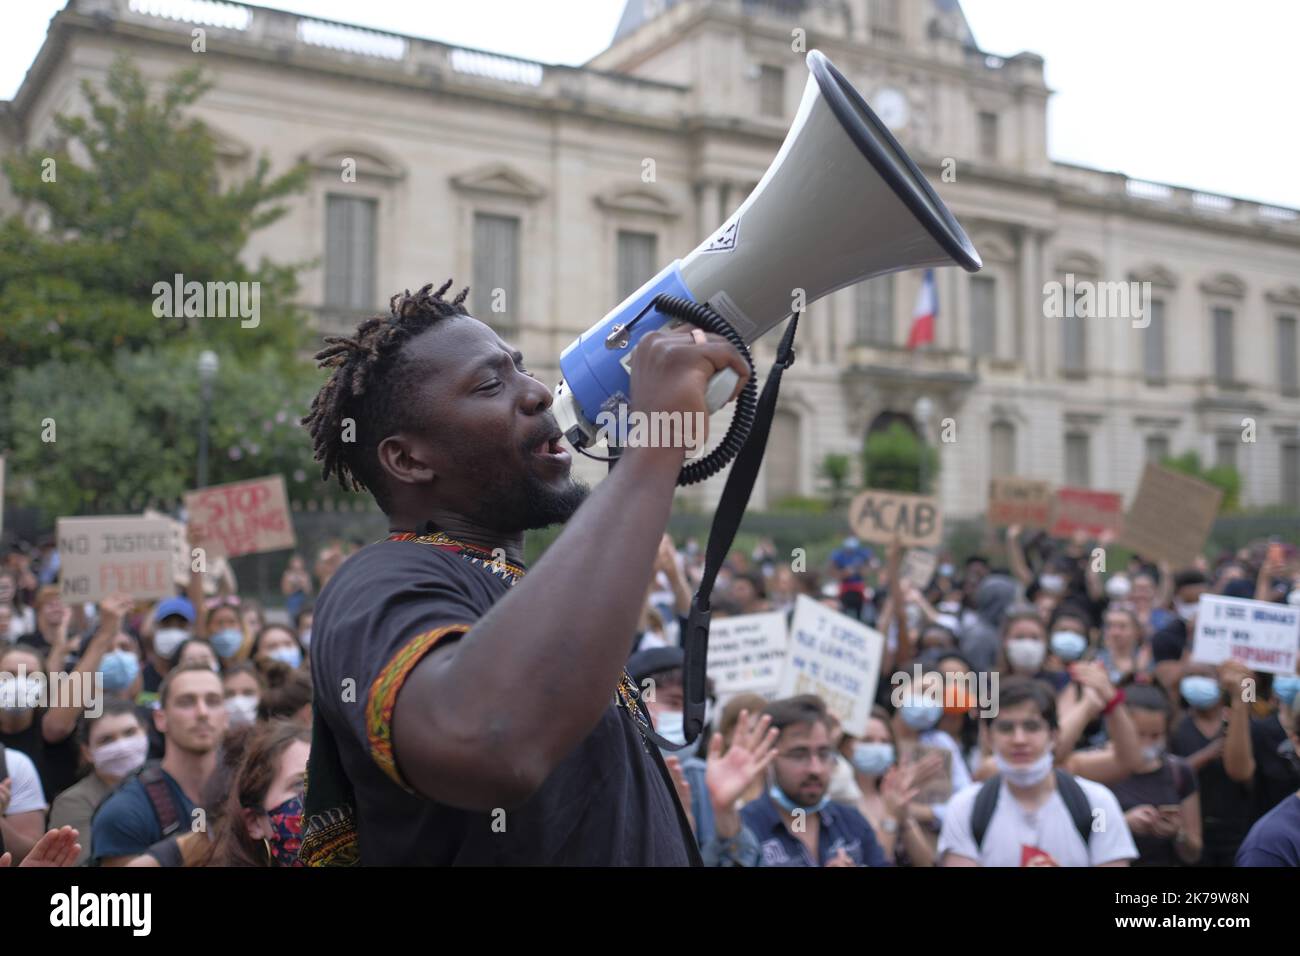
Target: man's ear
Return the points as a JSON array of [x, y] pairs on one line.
[[407, 459], [160, 721]]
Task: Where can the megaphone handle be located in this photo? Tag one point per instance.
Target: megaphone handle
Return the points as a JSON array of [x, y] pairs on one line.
[[721, 387]]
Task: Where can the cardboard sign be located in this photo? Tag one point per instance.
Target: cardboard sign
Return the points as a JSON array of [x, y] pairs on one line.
[[1023, 501], [1171, 516], [1263, 636], [918, 567], [885, 516], [1092, 512], [244, 517], [836, 658], [100, 556], [181, 563], [747, 653]]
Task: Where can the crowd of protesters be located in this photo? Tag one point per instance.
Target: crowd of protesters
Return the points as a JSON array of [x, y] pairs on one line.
[[1102, 742]]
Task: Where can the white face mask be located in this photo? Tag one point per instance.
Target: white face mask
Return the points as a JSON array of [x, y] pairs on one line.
[[1026, 654], [242, 709], [1185, 610], [1118, 587], [120, 757], [1025, 775], [17, 696], [167, 640]]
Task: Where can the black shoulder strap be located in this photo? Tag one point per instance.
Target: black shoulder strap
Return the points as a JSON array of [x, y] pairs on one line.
[[985, 802], [160, 797], [1076, 801], [4, 775]]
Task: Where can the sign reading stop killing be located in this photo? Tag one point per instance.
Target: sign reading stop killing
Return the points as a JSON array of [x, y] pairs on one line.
[[243, 517], [101, 556]]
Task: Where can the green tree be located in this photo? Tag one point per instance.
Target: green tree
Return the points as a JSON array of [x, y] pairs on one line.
[[835, 469], [892, 460], [1222, 477]]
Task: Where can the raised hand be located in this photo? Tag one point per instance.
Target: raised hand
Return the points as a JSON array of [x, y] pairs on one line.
[[753, 748], [56, 848], [898, 789]]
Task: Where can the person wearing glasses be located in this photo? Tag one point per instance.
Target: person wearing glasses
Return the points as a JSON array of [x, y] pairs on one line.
[[795, 823], [1032, 813]]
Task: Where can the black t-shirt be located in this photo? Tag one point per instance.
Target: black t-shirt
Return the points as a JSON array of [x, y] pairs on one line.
[[1168, 643], [608, 802], [1276, 777], [1226, 805], [58, 765], [1172, 782]]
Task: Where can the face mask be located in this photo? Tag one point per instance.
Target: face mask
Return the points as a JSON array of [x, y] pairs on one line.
[[873, 759], [305, 638], [1068, 646], [1118, 588], [1153, 752], [242, 709], [921, 716], [949, 607], [789, 806], [287, 655], [119, 668], [1029, 776], [1185, 611], [286, 831], [1201, 692], [226, 642], [1286, 687], [120, 757], [167, 640], [945, 570], [1294, 598], [1026, 654], [18, 697], [1052, 583]]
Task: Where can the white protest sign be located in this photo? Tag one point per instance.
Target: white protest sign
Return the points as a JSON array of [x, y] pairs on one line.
[[918, 567], [1263, 636], [747, 653], [99, 556], [836, 658]]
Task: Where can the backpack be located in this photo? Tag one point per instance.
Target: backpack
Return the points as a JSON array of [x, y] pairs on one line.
[[1076, 801], [160, 797]]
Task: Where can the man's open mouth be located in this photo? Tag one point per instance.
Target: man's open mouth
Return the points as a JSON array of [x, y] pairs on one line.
[[551, 451]]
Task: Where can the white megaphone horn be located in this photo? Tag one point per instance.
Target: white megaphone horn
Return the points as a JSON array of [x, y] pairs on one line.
[[842, 202]]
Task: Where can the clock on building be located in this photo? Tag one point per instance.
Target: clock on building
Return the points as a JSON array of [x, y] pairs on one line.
[[891, 106]]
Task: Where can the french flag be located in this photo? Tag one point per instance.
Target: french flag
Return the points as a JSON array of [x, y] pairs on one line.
[[927, 307]]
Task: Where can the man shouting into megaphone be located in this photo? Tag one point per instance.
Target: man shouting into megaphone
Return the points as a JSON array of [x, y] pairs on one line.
[[467, 712]]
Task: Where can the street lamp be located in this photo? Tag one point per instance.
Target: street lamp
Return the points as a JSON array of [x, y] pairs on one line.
[[208, 365], [921, 411]]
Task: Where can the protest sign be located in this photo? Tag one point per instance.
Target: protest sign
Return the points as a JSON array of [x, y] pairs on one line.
[[836, 658], [244, 517], [747, 653], [1171, 516], [1092, 512], [1020, 501], [886, 516], [100, 556], [181, 563], [1262, 635], [918, 567]]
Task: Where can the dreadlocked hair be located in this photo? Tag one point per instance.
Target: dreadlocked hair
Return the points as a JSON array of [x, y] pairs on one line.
[[367, 377]]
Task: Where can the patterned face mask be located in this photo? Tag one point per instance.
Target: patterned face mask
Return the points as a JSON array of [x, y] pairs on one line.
[[286, 831]]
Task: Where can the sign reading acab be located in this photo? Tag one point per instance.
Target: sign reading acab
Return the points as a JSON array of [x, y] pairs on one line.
[[886, 516]]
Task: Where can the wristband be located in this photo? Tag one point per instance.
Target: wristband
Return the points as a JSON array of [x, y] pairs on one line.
[[1114, 702]]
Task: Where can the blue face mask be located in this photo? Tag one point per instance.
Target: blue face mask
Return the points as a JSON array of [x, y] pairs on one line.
[[789, 806], [873, 759], [286, 655], [226, 642], [1201, 693], [120, 669], [921, 716], [671, 725], [1286, 687], [1068, 646]]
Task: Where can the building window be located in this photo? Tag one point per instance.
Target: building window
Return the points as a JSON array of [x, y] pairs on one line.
[[771, 91], [1078, 467], [637, 256], [983, 316], [1225, 451], [1223, 364], [349, 253], [782, 464], [1291, 474], [1157, 448], [1287, 351], [496, 271], [874, 323], [988, 132], [1002, 450], [1074, 342], [1153, 350], [885, 22]]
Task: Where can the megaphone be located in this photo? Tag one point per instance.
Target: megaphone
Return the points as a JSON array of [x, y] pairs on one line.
[[841, 203]]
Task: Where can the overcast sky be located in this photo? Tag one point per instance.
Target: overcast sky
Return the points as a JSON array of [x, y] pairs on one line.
[[1192, 92]]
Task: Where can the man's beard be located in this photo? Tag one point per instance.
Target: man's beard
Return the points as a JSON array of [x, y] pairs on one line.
[[510, 505]]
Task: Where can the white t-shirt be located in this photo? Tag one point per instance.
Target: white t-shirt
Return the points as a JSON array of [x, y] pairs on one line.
[[25, 793], [1049, 828]]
